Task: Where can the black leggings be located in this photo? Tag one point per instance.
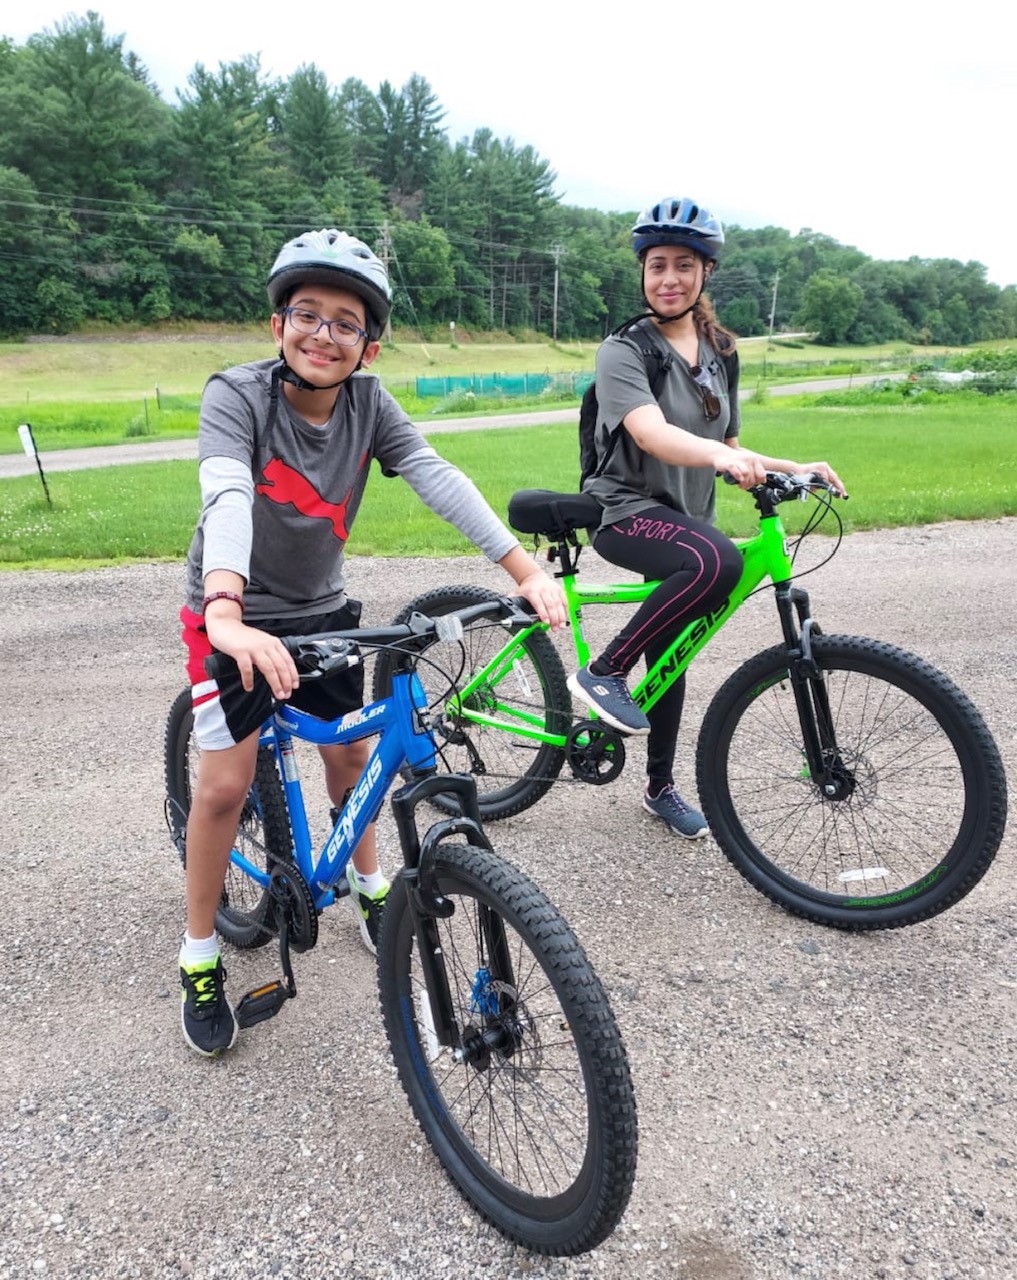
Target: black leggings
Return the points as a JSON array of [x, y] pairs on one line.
[[699, 567]]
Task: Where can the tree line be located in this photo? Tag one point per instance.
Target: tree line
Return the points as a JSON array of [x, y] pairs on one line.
[[118, 207]]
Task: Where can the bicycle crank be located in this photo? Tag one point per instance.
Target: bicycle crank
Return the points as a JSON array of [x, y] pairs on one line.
[[298, 930]]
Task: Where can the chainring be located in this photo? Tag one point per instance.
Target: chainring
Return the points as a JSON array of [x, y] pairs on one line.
[[595, 752], [293, 902]]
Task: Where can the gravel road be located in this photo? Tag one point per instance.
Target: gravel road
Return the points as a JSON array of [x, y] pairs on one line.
[[812, 1103]]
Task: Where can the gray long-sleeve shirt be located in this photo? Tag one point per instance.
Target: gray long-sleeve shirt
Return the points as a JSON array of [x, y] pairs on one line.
[[278, 500]]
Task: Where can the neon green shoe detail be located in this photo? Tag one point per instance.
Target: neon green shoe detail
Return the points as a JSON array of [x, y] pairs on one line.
[[369, 909], [209, 1024]]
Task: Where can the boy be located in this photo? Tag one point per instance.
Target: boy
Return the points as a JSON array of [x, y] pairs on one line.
[[284, 451]]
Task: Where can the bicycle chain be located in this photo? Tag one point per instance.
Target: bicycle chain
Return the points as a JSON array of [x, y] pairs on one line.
[[554, 779]]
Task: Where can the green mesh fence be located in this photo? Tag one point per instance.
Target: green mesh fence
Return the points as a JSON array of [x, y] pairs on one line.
[[502, 384]]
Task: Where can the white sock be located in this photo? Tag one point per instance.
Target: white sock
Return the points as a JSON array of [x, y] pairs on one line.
[[369, 884], [196, 950]]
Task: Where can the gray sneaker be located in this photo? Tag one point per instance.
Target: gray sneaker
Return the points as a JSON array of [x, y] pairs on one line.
[[609, 696], [682, 819]]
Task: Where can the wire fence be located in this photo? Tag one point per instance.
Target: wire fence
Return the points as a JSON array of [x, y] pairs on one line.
[[503, 384]]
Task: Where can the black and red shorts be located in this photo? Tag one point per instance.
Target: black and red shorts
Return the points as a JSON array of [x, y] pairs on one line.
[[225, 713]]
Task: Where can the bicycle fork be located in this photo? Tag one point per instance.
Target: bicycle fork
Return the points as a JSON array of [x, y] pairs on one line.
[[427, 906], [822, 757]]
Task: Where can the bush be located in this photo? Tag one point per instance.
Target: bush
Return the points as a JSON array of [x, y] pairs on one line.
[[760, 395], [61, 304], [1002, 361], [138, 426], [462, 399]]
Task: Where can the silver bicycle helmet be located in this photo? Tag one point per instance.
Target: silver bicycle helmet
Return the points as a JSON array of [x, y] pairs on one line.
[[680, 221], [333, 257]]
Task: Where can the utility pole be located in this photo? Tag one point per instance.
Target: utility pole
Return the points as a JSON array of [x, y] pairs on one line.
[[386, 245], [773, 304], [558, 250]]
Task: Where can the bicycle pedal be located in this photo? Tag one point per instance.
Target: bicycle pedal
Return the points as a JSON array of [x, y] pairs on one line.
[[262, 1003]]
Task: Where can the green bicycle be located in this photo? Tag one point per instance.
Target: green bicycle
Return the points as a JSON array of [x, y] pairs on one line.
[[846, 779]]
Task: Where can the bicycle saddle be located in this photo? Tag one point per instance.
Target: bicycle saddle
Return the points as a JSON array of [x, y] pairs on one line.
[[552, 514]]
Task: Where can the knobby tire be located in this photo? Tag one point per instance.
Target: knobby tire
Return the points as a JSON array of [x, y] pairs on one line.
[[922, 811], [511, 771], [540, 1138], [243, 917]]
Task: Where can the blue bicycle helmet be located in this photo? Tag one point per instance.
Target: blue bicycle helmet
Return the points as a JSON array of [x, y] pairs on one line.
[[679, 221]]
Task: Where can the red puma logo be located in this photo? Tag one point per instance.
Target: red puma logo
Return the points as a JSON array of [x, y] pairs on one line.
[[280, 483]]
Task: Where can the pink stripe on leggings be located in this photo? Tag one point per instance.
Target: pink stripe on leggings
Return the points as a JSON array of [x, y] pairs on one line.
[[666, 617]]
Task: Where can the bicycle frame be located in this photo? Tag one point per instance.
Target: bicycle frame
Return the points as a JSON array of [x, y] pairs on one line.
[[403, 738], [765, 556]]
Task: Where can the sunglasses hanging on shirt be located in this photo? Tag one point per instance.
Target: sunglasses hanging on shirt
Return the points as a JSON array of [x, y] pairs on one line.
[[709, 397]]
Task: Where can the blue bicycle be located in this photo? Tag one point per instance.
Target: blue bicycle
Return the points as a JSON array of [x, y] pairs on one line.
[[501, 1032]]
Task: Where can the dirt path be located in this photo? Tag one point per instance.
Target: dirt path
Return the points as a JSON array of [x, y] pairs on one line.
[[811, 1103]]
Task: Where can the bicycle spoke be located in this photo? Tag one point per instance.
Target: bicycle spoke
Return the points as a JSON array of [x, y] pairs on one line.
[[893, 808]]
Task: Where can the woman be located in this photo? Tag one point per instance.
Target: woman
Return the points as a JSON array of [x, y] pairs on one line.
[[656, 480]]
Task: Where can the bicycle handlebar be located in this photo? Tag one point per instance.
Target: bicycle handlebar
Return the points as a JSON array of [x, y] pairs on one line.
[[785, 484], [329, 652], [779, 486]]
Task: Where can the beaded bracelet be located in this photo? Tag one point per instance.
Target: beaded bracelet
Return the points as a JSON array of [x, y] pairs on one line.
[[222, 595]]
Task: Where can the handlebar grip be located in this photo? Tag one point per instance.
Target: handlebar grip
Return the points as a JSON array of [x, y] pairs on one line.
[[519, 609]]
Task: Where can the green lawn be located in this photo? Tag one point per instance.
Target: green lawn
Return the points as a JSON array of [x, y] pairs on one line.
[[141, 367], [952, 458]]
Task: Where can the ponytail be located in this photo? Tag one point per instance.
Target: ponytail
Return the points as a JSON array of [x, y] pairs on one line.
[[709, 327]]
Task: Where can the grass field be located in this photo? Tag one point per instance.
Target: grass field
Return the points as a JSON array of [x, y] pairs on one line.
[[952, 458], [77, 393], [33, 374]]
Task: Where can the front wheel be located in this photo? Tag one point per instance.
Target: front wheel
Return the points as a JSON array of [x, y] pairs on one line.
[[263, 832], [914, 804], [531, 1111], [513, 694]]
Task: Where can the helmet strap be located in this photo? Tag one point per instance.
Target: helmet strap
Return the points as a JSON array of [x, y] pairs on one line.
[[301, 384], [662, 319]]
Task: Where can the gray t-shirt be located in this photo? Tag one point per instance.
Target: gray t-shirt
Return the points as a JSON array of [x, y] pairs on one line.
[[632, 480], [279, 500]]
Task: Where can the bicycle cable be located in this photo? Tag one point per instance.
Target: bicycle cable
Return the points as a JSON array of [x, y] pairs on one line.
[[824, 507]]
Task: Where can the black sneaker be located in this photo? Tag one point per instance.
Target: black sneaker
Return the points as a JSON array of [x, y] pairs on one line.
[[609, 696], [207, 1017], [369, 909], [679, 816]]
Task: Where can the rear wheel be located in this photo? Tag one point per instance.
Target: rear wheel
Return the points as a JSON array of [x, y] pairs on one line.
[[531, 1111], [910, 814], [523, 690], [244, 916]]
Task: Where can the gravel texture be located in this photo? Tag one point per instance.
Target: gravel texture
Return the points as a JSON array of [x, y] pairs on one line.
[[811, 1103]]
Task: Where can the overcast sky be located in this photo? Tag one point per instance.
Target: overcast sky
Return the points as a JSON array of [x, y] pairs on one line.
[[884, 125]]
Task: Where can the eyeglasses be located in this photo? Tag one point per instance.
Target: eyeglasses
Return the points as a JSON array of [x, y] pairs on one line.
[[709, 397], [344, 333]]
